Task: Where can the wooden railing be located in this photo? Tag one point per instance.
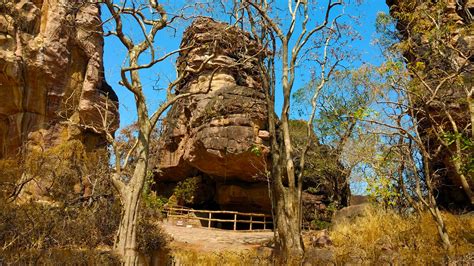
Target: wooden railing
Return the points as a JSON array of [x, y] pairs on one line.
[[237, 217]]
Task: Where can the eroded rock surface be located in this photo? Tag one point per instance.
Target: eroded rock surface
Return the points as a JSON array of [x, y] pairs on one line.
[[51, 72], [221, 131], [214, 131]]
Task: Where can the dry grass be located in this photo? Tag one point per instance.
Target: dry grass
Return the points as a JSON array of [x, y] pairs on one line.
[[197, 257], [383, 235]]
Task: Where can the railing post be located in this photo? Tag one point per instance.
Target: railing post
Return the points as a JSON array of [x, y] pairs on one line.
[[264, 222], [209, 222], [235, 221], [251, 220]]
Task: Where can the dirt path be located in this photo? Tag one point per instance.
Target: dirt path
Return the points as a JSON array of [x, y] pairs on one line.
[[216, 239]]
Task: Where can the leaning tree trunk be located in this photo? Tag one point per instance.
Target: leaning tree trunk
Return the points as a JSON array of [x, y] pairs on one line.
[[126, 242]]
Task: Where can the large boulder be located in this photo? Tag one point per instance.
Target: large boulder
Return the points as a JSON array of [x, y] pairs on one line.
[[325, 179], [218, 131], [52, 85]]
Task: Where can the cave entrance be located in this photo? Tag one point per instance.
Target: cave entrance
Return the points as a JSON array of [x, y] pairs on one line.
[[227, 220], [203, 201]]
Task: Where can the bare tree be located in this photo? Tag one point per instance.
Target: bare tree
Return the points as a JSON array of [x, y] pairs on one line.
[[150, 17], [292, 45]]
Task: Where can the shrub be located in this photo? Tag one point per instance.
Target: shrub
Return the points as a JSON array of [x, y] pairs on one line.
[[42, 226], [185, 190], [150, 235]]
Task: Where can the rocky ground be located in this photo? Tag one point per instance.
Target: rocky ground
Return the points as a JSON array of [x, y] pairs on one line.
[[216, 239]]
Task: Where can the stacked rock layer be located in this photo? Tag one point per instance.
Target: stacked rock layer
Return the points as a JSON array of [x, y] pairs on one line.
[[219, 132]]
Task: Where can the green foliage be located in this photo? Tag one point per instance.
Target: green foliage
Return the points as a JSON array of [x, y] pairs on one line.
[[149, 197], [256, 149], [382, 189], [450, 137], [185, 190], [341, 105], [466, 146], [312, 190], [320, 224], [332, 207]]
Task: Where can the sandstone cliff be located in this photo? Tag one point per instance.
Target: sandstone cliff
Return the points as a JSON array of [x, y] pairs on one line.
[[440, 43], [51, 72]]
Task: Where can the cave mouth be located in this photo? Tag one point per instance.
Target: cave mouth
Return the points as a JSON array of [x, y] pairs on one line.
[[230, 205], [235, 221]]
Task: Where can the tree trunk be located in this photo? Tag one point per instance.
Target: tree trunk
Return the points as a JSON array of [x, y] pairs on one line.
[[442, 231], [440, 225], [126, 242], [289, 243]]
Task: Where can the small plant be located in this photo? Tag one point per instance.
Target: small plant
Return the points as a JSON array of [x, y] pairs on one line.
[[332, 207], [255, 149], [320, 224], [150, 198]]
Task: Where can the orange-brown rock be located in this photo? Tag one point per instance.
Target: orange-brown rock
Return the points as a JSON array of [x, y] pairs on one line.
[[219, 131], [51, 74], [244, 197]]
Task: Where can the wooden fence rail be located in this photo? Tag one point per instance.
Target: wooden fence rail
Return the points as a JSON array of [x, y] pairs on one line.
[[238, 217]]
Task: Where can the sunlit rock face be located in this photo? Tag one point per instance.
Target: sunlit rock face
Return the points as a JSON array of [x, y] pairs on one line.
[[51, 73], [222, 131], [451, 100]]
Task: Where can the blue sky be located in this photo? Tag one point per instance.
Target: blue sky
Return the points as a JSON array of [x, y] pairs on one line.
[[160, 75]]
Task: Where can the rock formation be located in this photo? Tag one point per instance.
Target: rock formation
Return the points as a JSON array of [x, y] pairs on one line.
[[219, 137], [51, 75], [219, 133], [439, 46]]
